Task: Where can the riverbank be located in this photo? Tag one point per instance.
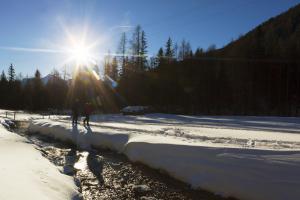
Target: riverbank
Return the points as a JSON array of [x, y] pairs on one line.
[[26, 174]]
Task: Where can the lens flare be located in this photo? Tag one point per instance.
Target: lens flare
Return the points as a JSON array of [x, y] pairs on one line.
[[81, 54]]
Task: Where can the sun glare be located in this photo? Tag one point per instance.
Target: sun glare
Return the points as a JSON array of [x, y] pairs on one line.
[[81, 54], [81, 47]]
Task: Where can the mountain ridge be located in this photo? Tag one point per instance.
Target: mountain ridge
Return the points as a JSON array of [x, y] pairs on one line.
[[278, 37]]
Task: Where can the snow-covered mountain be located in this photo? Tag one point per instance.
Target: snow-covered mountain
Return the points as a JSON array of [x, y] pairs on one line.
[[44, 79]]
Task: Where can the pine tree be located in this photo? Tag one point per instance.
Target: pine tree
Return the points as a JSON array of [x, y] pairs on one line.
[[199, 52], [169, 51], [143, 51], [3, 77], [3, 89], [122, 50], [176, 51], [139, 50], [135, 41], [107, 65], [160, 57], [37, 74], [38, 96], [191, 54], [136, 60], [189, 51], [11, 73], [114, 69]]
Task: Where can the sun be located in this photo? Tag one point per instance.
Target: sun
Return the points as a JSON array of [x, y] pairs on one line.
[[81, 49], [80, 53]]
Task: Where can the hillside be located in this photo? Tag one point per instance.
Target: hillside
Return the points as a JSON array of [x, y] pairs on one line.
[[277, 38]]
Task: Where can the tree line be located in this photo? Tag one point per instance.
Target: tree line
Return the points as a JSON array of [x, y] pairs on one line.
[[180, 80], [55, 92], [32, 93]]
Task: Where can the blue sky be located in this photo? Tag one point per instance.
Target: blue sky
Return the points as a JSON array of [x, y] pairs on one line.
[[42, 24]]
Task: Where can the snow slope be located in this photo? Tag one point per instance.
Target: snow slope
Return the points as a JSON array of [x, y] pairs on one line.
[[26, 174], [241, 161]]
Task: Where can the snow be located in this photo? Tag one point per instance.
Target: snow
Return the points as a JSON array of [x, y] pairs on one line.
[[26, 174], [24, 116], [259, 132], [245, 157]]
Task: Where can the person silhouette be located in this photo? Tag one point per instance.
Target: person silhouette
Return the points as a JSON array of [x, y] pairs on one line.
[[87, 112], [75, 112]]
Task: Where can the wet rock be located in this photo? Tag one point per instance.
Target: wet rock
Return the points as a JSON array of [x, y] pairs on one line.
[[70, 160], [9, 124], [49, 149], [77, 182], [44, 152], [78, 197], [141, 188], [92, 183], [69, 170], [147, 198]]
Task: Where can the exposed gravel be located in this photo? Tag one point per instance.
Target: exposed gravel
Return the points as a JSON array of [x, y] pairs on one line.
[[103, 174]]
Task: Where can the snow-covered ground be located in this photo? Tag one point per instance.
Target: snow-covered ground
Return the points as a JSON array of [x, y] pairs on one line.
[[246, 157], [255, 132], [26, 174], [24, 116]]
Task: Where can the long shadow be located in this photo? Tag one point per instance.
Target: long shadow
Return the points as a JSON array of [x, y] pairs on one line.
[[74, 132], [95, 165], [94, 162], [260, 123], [254, 123]]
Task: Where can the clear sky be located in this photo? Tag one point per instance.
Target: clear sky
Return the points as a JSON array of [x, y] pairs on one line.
[[34, 31]]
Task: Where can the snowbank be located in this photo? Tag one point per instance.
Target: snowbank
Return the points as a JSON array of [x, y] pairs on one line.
[[230, 170], [26, 174]]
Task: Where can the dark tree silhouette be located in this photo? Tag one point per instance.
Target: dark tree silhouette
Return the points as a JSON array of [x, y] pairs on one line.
[[169, 51], [122, 50], [143, 51], [114, 69], [11, 73]]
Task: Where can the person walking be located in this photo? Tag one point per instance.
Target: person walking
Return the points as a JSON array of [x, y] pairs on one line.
[[75, 112], [87, 112]]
